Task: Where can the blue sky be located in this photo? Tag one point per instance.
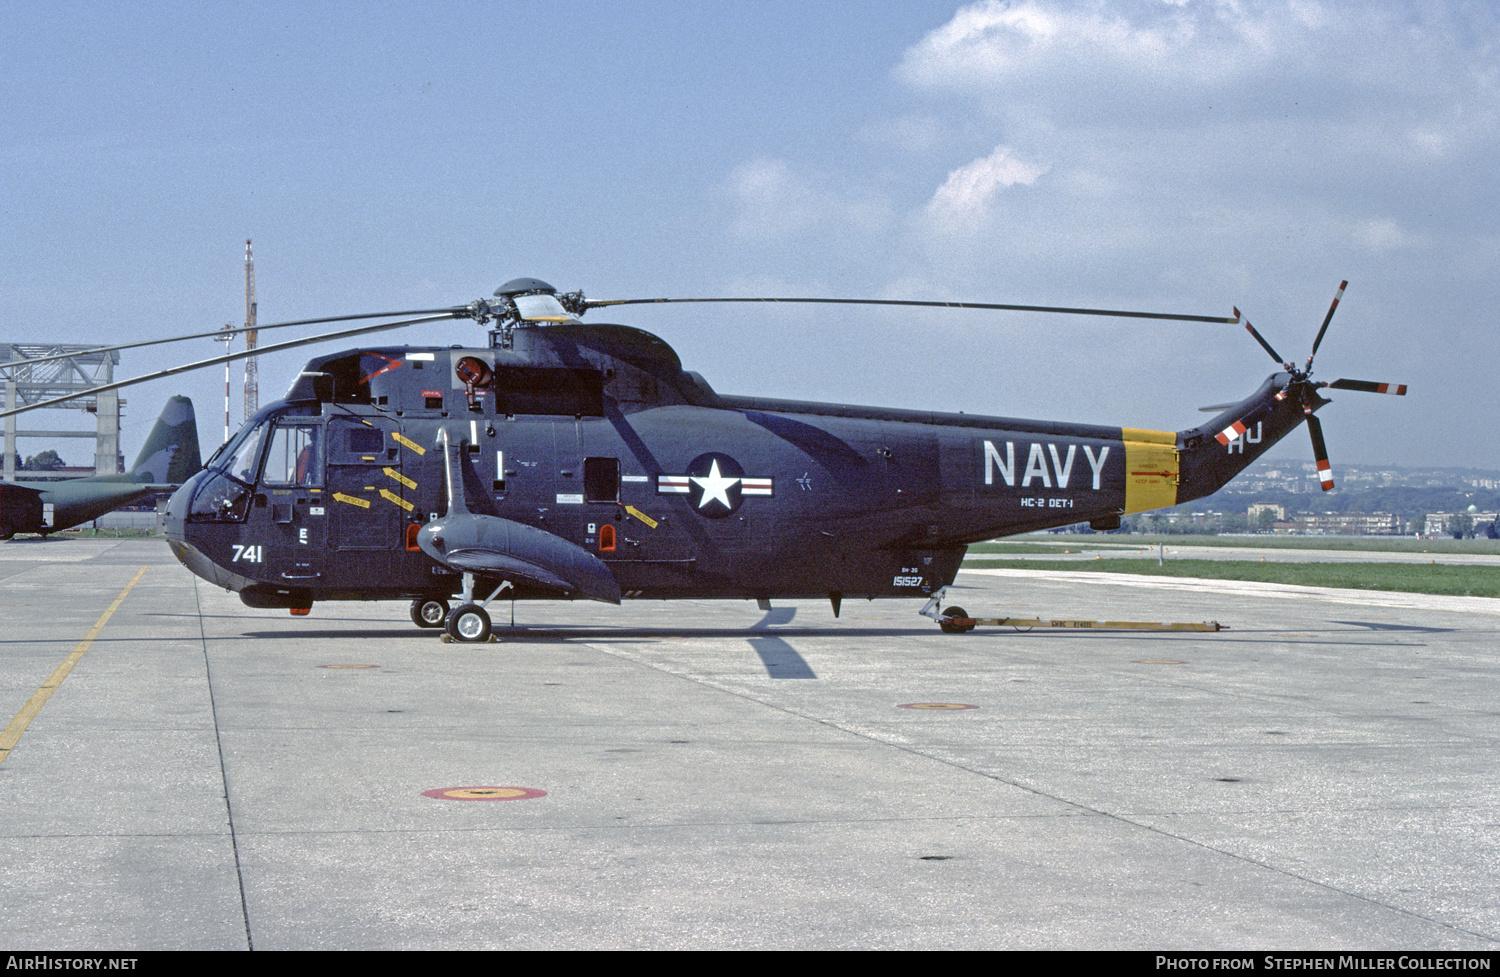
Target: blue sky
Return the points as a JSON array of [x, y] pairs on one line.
[[1183, 157]]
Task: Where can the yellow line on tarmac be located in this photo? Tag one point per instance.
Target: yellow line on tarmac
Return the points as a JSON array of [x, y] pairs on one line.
[[12, 734]]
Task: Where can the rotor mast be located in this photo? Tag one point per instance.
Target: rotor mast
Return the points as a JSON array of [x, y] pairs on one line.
[[252, 376]]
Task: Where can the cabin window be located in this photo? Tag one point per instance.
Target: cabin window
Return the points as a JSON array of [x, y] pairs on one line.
[[294, 456], [343, 379], [601, 480], [364, 440]]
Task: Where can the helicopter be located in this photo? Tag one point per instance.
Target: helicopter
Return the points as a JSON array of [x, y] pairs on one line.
[[566, 460], [168, 458]]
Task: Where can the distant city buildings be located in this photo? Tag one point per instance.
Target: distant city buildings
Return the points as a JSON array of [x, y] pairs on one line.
[[1264, 488], [1302, 477], [1281, 496], [1446, 523], [1347, 524], [1268, 518]]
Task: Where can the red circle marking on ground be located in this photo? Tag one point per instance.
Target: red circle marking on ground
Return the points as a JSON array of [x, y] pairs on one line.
[[484, 793], [935, 705]]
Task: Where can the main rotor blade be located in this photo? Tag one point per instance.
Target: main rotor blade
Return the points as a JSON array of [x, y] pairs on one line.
[[225, 332], [1320, 452], [1326, 320], [1262, 340], [1370, 387], [188, 367], [599, 304]]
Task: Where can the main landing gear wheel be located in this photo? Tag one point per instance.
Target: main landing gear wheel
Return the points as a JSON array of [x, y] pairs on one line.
[[468, 622], [950, 628], [429, 612]]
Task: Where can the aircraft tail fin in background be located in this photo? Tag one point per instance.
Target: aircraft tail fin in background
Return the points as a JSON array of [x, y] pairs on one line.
[[170, 455]]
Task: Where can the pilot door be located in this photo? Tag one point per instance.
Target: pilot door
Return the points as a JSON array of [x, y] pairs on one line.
[[368, 497], [291, 502]]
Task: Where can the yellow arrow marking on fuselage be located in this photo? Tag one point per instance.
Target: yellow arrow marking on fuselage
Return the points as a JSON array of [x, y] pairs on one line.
[[408, 442], [641, 516], [352, 500], [400, 478], [390, 496]]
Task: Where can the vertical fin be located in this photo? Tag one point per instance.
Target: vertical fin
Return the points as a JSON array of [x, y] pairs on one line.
[[170, 455]]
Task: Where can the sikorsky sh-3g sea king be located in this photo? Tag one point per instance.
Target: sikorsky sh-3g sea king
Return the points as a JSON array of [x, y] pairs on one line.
[[572, 460]]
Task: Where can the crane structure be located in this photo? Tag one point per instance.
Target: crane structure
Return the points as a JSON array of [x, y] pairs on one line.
[[32, 372]]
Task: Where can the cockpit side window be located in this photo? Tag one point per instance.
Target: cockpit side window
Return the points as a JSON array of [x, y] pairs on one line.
[[294, 456]]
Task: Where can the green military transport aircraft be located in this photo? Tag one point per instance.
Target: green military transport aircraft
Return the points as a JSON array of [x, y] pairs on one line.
[[169, 458]]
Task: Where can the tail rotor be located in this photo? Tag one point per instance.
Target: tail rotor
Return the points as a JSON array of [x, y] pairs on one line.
[[1304, 389]]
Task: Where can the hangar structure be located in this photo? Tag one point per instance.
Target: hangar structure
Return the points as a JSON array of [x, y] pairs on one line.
[[33, 372]]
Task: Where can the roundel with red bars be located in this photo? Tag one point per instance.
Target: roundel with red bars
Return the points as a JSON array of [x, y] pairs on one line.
[[715, 485]]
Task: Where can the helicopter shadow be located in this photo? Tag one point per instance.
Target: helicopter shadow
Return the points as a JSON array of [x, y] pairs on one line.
[[544, 634], [780, 658]]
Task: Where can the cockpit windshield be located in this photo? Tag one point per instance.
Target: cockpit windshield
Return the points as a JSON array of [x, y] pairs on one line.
[[241, 460], [240, 455]]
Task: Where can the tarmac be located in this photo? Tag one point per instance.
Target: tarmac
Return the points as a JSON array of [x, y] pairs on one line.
[[707, 775], [1073, 552]]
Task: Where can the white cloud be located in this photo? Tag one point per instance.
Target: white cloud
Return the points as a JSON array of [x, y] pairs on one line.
[[964, 199], [997, 43], [1156, 119], [1124, 62]]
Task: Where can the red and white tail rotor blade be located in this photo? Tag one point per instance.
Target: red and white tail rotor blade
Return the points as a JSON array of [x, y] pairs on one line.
[[1262, 340], [1320, 452], [1370, 387], [1326, 320]]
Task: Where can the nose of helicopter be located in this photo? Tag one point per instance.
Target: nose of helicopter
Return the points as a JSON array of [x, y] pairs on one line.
[[191, 552], [175, 519]]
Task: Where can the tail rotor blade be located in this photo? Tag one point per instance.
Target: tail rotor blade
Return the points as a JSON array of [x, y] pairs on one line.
[[1320, 452], [1370, 387], [1262, 340], [1326, 320]]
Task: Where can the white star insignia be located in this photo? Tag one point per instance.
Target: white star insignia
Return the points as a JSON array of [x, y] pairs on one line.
[[715, 486]]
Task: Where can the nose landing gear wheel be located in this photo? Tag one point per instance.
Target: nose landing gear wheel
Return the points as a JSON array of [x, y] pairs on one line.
[[468, 622], [429, 612], [950, 628]]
